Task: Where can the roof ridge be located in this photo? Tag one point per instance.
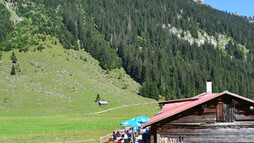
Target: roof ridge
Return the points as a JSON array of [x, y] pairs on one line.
[[173, 108], [179, 100]]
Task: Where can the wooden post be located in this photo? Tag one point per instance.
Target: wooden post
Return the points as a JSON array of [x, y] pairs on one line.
[[158, 138], [152, 139], [153, 134]]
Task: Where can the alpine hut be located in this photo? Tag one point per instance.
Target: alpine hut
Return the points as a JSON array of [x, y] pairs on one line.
[[207, 117]]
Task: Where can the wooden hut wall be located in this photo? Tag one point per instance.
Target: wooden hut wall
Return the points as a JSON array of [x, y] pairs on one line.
[[189, 133]]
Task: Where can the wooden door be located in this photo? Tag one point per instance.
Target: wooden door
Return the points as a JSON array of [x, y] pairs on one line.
[[231, 113], [219, 112], [225, 112]]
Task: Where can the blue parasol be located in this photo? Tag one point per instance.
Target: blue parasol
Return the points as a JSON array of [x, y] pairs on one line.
[[141, 119], [130, 123]]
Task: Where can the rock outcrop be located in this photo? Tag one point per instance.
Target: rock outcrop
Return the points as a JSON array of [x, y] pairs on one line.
[[199, 1]]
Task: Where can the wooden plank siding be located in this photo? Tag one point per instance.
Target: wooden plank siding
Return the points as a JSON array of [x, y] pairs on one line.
[[203, 132], [243, 113], [244, 117], [213, 134]]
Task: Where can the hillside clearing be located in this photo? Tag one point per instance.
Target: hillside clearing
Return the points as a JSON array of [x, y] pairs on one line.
[[60, 82]]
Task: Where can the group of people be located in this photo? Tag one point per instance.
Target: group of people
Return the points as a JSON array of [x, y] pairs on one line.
[[131, 134]]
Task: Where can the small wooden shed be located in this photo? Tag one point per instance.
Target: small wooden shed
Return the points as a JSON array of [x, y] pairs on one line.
[[208, 117]]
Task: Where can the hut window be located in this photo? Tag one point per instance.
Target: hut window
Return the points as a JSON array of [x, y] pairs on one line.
[[224, 112]]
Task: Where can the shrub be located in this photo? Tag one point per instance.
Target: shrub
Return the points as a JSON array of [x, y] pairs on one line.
[[40, 48]]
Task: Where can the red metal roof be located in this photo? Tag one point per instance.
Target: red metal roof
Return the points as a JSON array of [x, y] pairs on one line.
[[179, 100], [174, 107]]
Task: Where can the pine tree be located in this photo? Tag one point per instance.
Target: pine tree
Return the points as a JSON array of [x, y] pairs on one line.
[[13, 70], [13, 57], [98, 98], [1, 55]]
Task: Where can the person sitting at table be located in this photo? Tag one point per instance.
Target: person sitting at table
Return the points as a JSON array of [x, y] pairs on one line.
[[130, 130], [118, 134], [126, 139], [121, 139], [129, 135], [114, 136]]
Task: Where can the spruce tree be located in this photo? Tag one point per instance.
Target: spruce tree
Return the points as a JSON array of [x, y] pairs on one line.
[[13, 70], [13, 57], [98, 98]]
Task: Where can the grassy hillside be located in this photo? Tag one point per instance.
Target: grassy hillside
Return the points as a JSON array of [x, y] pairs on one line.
[[58, 81], [52, 96]]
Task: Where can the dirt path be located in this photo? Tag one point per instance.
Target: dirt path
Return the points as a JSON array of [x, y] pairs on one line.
[[123, 106], [95, 113]]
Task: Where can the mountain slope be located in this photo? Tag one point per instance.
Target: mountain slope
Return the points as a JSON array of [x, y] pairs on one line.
[[133, 35], [167, 63], [55, 81]]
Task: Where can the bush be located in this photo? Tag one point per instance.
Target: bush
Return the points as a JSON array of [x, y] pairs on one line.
[[40, 48]]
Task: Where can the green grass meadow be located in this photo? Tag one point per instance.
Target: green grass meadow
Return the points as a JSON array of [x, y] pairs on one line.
[[86, 128]]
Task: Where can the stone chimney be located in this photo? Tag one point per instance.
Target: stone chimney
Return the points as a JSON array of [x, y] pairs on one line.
[[209, 86]]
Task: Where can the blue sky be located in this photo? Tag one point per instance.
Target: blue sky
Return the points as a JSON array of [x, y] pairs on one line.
[[243, 7]]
